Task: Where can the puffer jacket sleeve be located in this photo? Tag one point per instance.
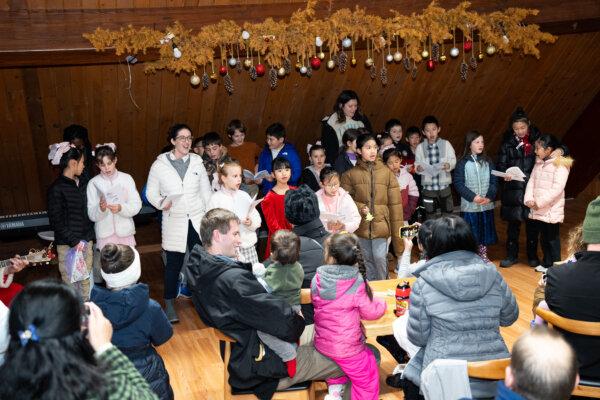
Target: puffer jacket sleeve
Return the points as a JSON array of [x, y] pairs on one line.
[[419, 322], [529, 188], [450, 155], [396, 213], [162, 330], [555, 189], [133, 204], [493, 186], [350, 212], [510, 310], [348, 186], [57, 217], [502, 160], [153, 186], [367, 308], [205, 186]]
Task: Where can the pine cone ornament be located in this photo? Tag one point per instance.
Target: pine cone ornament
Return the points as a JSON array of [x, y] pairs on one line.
[[373, 71], [383, 75], [473, 62], [435, 52], [464, 68], [413, 72], [273, 78], [309, 71], [287, 65], [336, 59], [228, 82], [343, 61], [252, 73], [239, 67], [406, 63], [205, 81]]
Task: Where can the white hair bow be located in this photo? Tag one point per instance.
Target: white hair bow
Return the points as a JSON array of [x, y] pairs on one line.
[[309, 146], [111, 145], [57, 150]]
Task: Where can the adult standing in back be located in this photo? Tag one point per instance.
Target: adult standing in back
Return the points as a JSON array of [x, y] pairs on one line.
[[346, 115], [181, 174]]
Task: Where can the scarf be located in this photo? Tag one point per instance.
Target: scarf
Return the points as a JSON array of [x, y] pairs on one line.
[[524, 141]]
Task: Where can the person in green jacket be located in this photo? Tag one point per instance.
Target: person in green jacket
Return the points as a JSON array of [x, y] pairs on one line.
[[283, 278], [60, 348]]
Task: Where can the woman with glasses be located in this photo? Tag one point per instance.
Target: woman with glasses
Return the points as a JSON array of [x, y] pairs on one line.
[[178, 185]]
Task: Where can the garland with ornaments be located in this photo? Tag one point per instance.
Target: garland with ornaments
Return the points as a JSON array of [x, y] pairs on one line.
[[268, 47]]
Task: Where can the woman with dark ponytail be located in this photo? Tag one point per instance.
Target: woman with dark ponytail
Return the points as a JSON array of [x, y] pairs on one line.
[[342, 298], [60, 349], [67, 212]]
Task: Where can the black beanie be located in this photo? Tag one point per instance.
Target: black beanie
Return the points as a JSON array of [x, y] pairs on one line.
[[301, 206], [518, 115]]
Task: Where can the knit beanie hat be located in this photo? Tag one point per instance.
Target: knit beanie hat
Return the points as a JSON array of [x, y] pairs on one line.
[[591, 223], [518, 115], [301, 206]]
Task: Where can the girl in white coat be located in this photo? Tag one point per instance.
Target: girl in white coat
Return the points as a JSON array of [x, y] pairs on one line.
[[338, 211], [178, 185], [231, 198], [112, 200]]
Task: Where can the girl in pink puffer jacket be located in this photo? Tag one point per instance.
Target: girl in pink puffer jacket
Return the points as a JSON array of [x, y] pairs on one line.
[[341, 298], [545, 195]]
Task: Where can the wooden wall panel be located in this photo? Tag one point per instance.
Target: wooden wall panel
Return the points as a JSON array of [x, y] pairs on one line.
[[37, 103]]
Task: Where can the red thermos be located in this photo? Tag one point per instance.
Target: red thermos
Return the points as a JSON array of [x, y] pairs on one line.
[[402, 298]]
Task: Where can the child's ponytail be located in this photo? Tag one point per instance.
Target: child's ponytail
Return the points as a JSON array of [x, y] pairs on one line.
[[362, 268], [344, 248]]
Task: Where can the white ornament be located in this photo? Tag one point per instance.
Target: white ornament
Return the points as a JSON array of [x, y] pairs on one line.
[[397, 56], [331, 64], [319, 41], [195, 80], [346, 43], [454, 52], [176, 52], [389, 58], [245, 35], [232, 62], [303, 70], [281, 71], [490, 50], [505, 39], [424, 54]]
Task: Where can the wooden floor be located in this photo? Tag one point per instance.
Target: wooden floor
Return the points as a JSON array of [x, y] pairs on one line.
[[191, 356]]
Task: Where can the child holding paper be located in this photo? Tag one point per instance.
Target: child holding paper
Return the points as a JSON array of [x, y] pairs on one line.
[[231, 198], [112, 200], [338, 212]]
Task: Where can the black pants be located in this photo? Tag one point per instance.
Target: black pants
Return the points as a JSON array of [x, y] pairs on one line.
[[434, 200], [411, 391], [512, 242], [175, 262], [550, 239]]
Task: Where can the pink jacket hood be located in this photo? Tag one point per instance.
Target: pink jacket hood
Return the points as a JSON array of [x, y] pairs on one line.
[[341, 302]]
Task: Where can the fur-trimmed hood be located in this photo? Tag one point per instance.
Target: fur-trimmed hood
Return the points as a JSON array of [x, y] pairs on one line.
[[560, 161]]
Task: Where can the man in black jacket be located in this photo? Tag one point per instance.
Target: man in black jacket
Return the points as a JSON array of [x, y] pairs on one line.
[[228, 297], [572, 292]]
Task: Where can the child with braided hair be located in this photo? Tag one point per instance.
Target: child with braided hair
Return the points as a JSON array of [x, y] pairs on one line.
[[342, 298]]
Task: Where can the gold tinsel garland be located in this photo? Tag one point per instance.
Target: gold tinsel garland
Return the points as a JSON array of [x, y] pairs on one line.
[[275, 41]]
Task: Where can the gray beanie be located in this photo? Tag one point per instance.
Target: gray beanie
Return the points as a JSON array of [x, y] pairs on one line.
[[301, 206]]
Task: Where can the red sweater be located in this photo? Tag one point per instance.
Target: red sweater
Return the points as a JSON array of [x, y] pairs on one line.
[[274, 211]]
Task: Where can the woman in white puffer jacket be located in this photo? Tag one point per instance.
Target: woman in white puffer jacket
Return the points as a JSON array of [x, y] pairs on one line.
[[181, 174]]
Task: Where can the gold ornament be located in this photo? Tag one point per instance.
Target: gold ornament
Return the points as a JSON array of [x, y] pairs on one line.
[[397, 56], [443, 58], [425, 54], [298, 66], [330, 64], [369, 62], [321, 55], [353, 62], [213, 77], [195, 80], [490, 50], [247, 63], [480, 56]]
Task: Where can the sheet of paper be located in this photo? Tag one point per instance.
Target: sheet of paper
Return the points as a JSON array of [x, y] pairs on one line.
[[331, 217], [171, 198], [432, 170], [253, 205]]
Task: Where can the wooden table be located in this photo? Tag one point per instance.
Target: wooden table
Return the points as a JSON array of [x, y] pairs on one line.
[[383, 325]]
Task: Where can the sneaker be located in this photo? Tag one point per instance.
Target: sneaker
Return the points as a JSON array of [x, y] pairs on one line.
[[394, 381], [541, 268], [534, 262], [184, 291], [170, 311], [399, 369], [507, 262]]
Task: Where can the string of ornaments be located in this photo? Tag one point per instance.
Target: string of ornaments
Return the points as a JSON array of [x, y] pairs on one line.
[[309, 39]]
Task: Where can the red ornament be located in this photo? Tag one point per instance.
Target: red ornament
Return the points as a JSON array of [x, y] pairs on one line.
[[223, 70], [315, 62], [430, 65], [468, 45], [260, 69]]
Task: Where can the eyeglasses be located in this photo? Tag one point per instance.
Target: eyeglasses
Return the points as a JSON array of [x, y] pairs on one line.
[[332, 185], [184, 138]]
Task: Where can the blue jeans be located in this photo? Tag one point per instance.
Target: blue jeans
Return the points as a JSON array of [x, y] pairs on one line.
[[375, 256]]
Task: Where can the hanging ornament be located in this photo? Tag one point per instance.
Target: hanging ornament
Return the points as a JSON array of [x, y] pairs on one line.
[[353, 62], [505, 39], [413, 72], [238, 63], [389, 58], [383, 72], [222, 70], [430, 65], [490, 50], [273, 77], [443, 58], [232, 62], [454, 52], [369, 62], [245, 35], [315, 62], [205, 80], [467, 45], [213, 76], [176, 52], [373, 72], [195, 79], [479, 54], [397, 54], [228, 83], [473, 62], [435, 52], [463, 71], [347, 42], [252, 72], [330, 64], [343, 58], [287, 66], [309, 71], [406, 63], [260, 69], [321, 55], [247, 63], [425, 53], [303, 70], [281, 72], [318, 41]]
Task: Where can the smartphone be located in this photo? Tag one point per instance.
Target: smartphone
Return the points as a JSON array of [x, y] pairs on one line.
[[409, 231], [85, 317]]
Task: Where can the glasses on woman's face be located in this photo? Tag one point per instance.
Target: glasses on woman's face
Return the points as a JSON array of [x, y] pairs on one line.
[[332, 185], [184, 138]]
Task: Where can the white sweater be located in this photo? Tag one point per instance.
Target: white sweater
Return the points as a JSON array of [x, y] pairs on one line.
[[345, 207], [447, 155], [163, 180], [107, 223], [238, 202]]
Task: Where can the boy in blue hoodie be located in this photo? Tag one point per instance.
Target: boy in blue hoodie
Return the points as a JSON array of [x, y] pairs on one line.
[[139, 322], [276, 146]]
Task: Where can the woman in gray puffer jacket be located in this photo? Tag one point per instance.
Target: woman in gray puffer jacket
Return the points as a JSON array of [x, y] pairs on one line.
[[458, 304]]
